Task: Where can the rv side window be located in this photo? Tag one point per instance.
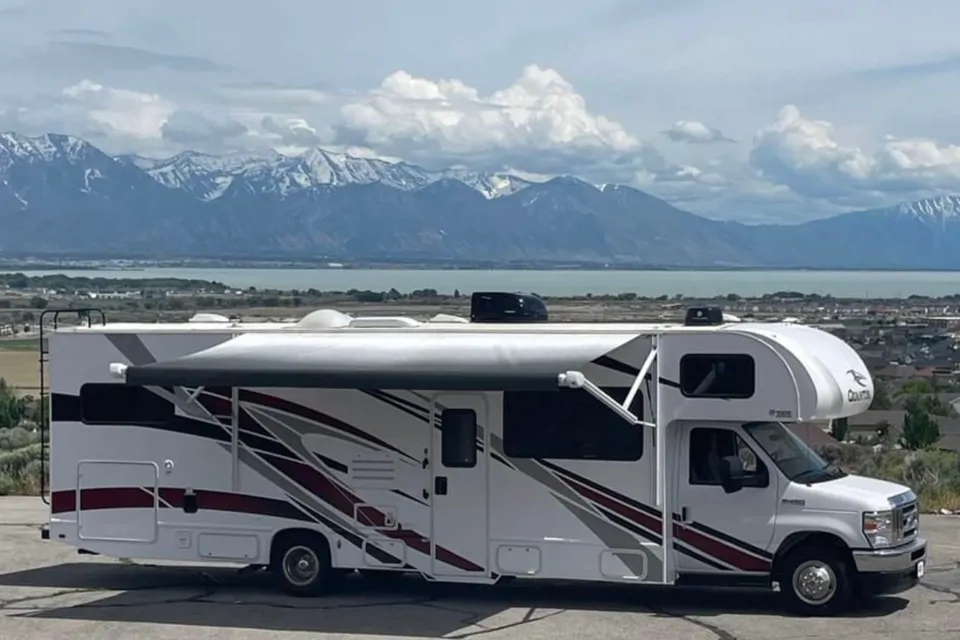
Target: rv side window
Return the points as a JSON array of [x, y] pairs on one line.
[[708, 446], [458, 435], [569, 424], [114, 403], [718, 376]]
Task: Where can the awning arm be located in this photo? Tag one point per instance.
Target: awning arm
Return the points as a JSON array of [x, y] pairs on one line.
[[641, 376], [576, 380]]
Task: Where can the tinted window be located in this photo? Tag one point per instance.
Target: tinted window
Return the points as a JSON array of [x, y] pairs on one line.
[[458, 446], [122, 404], [569, 424], [709, 446], [717, 376]]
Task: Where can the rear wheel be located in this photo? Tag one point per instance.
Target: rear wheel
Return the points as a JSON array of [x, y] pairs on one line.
[[302, 566], [816, 581]]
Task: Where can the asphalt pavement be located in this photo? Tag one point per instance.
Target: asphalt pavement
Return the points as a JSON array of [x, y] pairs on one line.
[[47, 590]]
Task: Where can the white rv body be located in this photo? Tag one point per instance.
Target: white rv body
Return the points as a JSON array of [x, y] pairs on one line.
[[340, 426]]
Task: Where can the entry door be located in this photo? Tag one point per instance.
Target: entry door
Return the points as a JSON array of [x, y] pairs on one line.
[[723, 532], [459, 492]]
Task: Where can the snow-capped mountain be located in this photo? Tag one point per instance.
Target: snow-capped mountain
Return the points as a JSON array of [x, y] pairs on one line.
[[936, 211], [62, 195], [210, 177]]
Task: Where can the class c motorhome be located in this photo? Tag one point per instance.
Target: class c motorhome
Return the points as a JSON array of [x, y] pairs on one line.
[[474, 452]]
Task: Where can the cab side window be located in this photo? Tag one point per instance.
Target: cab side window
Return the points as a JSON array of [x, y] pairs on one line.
[[709, 446]]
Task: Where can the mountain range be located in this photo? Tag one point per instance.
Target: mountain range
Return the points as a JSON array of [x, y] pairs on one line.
[[62, 195]]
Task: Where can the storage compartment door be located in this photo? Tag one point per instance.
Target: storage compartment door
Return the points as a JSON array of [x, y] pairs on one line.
[[117, 501]]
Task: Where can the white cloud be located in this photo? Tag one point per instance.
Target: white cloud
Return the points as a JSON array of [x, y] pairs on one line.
[[808, 157], [120, 111], [694, 132], [538, 124], [540, 111]]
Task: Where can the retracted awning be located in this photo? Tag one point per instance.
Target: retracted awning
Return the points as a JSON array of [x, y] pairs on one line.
[[370, 360]]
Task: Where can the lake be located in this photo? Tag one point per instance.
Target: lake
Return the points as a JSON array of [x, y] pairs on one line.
[[866, 284]]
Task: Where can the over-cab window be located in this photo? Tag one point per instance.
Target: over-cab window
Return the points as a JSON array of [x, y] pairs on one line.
[[569, 424], [115, 403], [723, 375], [458, 438]]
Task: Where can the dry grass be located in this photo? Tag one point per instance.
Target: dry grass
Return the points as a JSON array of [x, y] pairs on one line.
[[20, 368]]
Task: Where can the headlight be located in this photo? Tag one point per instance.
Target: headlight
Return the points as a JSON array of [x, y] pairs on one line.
[[878, 528]]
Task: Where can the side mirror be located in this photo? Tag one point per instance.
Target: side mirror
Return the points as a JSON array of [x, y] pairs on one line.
[[731, 474]]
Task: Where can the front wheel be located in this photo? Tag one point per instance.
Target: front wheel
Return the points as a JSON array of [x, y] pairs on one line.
[[816, 581]]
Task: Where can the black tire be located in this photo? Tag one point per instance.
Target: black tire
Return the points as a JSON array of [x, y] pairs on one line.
[[816, 581], [302, 566]]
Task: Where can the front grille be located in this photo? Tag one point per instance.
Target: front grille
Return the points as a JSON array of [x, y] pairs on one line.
[[906, 522]]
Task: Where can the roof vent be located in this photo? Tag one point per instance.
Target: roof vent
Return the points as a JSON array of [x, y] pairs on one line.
[[208, 317], [325, 319], [703, 317], [383, 322]]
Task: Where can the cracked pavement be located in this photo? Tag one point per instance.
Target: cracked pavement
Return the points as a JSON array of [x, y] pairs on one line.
[[48, 591]]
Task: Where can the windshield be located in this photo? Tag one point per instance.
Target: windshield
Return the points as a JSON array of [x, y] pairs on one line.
[[792, 456]]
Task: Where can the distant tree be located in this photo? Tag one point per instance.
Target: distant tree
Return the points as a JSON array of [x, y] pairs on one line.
[[839, 429], [12, 408], [881, 397], [915, 386], [38, 303], [937, 407], [920, 429]]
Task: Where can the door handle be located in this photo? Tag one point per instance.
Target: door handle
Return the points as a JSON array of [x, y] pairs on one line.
[[440, 485], [683, 514]]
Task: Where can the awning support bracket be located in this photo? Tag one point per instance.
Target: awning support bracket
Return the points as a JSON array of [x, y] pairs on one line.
[[576, 380], [641, 376]]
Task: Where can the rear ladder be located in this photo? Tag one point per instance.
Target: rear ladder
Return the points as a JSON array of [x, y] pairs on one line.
[[85, 316]]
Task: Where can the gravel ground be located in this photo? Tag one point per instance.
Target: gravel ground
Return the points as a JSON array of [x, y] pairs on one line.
[[48, 591]]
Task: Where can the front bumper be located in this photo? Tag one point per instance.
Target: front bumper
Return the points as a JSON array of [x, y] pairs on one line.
[[886, 571]]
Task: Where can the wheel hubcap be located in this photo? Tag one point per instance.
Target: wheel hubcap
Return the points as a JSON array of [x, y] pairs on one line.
[[814, 582], [301, 566]]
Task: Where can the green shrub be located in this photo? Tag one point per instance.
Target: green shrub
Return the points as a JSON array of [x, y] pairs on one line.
[[934, 475]]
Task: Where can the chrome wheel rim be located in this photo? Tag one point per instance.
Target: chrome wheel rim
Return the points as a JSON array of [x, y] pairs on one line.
[[814, 582], [301, 566]]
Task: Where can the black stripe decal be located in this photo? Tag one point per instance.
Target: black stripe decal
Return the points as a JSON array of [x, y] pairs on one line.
[[616, 365], [600, 488], [336, 465], [622, 367], [65, 407], [647, 535], [626, 524], [727, 538], [690, 553], [409, 497]]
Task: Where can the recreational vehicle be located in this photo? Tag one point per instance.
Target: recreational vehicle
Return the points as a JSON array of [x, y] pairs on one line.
[[507, 447]]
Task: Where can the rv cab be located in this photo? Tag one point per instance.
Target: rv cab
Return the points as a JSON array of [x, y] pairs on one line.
[[473, 451]]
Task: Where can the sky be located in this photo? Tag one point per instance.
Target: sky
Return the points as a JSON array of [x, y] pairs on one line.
[[740, 110]]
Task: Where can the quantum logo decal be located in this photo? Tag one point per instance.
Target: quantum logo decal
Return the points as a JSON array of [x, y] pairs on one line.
[[863, 394]]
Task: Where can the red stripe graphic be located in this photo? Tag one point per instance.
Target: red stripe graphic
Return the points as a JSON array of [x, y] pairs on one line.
[[100, 498], [719, 550], [346, 502], [654, 523], [313, 415]]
